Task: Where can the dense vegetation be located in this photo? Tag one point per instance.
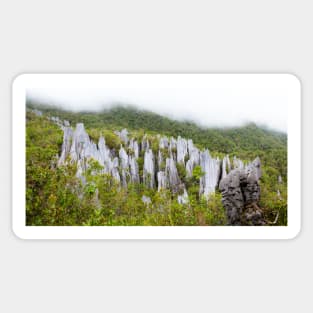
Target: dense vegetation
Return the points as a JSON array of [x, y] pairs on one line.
[[51, 191]]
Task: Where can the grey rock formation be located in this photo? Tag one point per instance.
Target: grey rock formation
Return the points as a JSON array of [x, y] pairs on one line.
[[280, 180], [162, 180], [237, 163], [194, 158], [193, 151], [124, 166], [279, 195], [226, 166], [123, 134], [66, 145], [160, 161], [148, 169], [56, 120], [254, 168], [183, 199], [37, 112], [134, 170], [81, 168], [115, 172], [240, 186], [241, 193], [79, 148], [182, 151], [163, 143], [80, 144], [103, 156], [171, 173], [189, 168], [146, 200], [211, 169], [133, 145], [145, 145], [172, 144]]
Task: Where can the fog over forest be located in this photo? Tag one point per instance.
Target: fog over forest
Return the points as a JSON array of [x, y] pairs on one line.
[[206, 106]]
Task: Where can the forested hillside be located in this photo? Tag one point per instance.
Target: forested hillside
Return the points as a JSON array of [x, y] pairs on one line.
[[56, 197]]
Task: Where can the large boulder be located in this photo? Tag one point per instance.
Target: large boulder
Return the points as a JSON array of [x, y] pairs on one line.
[[241, 194]]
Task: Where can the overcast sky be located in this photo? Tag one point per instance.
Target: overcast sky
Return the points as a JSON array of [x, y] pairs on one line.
[[206, 106]]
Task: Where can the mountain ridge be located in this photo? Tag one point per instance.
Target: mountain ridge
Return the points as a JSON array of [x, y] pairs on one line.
[[133, 118]]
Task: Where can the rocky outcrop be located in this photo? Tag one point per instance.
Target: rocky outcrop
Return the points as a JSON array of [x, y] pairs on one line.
[[81, 144], [241, 194], [123, 134], [148, 169], [104, 156], [124, 166], [194, 158], [183, 199], [133, 145], [226, 166], [238, 163], [134, 170], [239, 183], [67, 143], [171, 173], [115, 170], [146, 200], [211, 169], [163, 143], [145, 144], [162, 181], [181, 147]]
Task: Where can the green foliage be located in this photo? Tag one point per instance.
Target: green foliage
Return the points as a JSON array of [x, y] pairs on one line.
[[112, 140], [181, 169], [274, 205], [197, 172], [90, 189], [51, 191], [54, 196]]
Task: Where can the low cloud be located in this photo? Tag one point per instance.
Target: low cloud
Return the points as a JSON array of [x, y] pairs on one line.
[[208, 107]]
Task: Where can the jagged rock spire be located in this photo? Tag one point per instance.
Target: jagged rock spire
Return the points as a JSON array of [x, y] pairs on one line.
[[80, 143], [181, 149], [238, 163], [171, 172], [124, 168], [134, 170], [148, 169], [226, 166], [211, 169], [66, 145], [115, 172], [162, 180], [163, 143], [241, 193], [145, 145], [194, 158], [133, 145], [123, 134]]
